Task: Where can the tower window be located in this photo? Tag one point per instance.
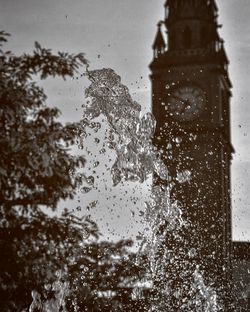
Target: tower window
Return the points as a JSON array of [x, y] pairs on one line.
[[187, 39]]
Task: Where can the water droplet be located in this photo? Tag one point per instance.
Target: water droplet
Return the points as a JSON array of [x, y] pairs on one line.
[[93, 204], [178, 140], [90, 180], [85, 190], [102, 151]]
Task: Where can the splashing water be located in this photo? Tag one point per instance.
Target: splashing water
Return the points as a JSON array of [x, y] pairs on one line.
[[136, 158], [173, 271], [177, 282], [59, 289]]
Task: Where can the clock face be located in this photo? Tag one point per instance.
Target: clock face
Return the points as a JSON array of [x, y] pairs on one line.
[[186, 102]]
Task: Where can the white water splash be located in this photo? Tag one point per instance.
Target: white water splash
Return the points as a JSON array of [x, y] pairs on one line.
[[60, 290], [136, 156], [137, 159]]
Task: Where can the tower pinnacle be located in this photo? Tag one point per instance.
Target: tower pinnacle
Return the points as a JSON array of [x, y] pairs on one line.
[[159, 44]]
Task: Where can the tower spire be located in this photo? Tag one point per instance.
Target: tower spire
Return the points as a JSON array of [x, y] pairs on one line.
[[159, 44]]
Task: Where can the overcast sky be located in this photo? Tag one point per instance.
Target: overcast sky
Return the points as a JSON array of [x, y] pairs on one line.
[[119, 34]]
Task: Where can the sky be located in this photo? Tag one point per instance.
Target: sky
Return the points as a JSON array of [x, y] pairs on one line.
[[119, 34]]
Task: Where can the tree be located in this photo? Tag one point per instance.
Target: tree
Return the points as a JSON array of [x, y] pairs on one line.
[[43, 255], [34, 248], [35, 166], [103, 277], [39, 251]]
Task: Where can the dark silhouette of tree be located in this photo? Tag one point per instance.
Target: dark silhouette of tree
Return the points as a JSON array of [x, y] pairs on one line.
[[35, 165], [106, 279], [34, 248], [37, 170], [37, 247]]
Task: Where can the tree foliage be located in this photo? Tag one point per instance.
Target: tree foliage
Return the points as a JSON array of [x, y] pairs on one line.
[[37, 247], [35, 165], [34, 247], [37, 170]]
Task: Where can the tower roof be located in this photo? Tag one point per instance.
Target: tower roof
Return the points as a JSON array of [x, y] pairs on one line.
[[159, 41], [202, 9], [196, 2]]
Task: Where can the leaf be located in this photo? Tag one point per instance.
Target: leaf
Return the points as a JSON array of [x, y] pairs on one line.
[[37, 46]]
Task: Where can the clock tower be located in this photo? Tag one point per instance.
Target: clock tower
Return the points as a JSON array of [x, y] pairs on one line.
[[191, 104]]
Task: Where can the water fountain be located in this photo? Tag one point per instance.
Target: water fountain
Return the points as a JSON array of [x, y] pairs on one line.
[[176, 278]]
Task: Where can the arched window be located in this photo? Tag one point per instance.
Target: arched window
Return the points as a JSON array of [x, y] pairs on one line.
[[187, 38]]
